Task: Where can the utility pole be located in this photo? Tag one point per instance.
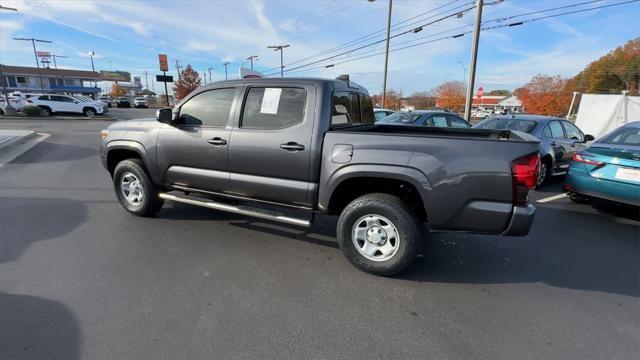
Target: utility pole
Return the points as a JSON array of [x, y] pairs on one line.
[[8, 110], [250, 58], [204, 73], [55, 65], [35, 54], [225, 70], [386, 53], [146, 79], [210, 78], [91, 55], [472, 63], [280, 48]]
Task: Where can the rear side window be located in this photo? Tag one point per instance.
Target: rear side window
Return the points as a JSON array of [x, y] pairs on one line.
[[273, 108], [43, 97], [351, 108], [210, 108], [457, 122], [623, 136], [554, 130], [437, 121]]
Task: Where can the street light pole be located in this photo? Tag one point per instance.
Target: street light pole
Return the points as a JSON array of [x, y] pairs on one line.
[[8, 110], [250, 58], [225, 70], [280, 48], [35, 54], [386, 53], [474, 58], [210, 78]]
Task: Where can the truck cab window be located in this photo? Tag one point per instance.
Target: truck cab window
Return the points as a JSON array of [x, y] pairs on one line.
[[210, 108], [273, 108], [351, 108]]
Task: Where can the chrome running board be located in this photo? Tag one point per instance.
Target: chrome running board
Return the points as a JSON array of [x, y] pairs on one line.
[[242, 210]]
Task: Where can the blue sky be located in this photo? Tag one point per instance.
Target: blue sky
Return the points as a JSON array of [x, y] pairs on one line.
[[128, 35]]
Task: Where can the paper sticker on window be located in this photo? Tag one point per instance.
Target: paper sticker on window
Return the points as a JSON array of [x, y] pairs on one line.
[[270, 101]]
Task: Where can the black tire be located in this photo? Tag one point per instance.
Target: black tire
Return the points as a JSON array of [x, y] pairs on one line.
[[545, 171], [89, 112], [150, 203], [409, 230], [46, 112]]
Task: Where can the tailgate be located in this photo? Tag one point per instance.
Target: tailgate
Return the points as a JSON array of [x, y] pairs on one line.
[[613, 164]]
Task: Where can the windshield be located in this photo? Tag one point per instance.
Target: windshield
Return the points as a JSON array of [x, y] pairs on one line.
[[623, 136], [506, 124], [400, 118]]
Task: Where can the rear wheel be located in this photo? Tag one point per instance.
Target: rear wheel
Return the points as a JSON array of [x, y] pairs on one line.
[[577, 198], [379, 233], [543, 176], [45, 111], [134, 189]]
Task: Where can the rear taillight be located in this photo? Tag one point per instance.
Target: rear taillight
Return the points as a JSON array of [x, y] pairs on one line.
[[581, 159], [525, 171]]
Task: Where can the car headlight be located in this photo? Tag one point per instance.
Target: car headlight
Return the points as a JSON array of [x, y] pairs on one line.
[[104, 134]]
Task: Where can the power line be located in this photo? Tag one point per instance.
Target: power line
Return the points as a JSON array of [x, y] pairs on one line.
[[468, 32]]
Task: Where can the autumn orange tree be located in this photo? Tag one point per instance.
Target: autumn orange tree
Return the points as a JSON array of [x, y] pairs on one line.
[[450, 95], [614, 72], [546, 95], [422, 100], [117, 91], [391, 100], [189, 80]]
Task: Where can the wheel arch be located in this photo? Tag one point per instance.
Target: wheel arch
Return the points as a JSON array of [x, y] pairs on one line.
[[122, 149]]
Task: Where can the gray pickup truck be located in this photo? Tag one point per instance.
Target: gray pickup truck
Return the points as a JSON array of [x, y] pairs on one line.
[[269, 148]]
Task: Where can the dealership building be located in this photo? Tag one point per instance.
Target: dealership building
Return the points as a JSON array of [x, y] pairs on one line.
[[59, 81]]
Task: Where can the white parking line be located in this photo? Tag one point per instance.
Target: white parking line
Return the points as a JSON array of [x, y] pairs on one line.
[[551, 198]]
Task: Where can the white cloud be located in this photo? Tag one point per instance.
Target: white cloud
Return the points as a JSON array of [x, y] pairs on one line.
[[194, 45]]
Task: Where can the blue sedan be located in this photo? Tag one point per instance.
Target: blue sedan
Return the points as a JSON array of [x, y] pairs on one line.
[[609, 169]]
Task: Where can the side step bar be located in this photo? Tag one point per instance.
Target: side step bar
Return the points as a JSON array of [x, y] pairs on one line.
[[242, 210]]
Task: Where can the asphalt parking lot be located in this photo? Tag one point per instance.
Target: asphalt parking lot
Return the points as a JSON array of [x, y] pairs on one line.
[[82, 279]]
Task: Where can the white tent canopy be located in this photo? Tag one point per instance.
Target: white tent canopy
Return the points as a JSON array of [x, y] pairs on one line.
[[600, 114]]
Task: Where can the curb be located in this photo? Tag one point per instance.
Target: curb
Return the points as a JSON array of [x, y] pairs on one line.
[[102, 118]]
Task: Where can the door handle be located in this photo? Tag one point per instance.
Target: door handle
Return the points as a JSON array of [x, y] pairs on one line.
[[292, 146], [217, 141]]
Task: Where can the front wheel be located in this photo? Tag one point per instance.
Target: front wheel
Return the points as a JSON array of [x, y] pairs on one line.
[[379, 233], [45, 111], [89, 113], [134, 189]]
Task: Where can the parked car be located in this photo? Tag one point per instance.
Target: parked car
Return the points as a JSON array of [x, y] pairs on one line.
[[427, 118], [53, 103], [86, 99], [140, 102], [380, 114], [609, 169], [310, 146], [123, 102], [481, 114], [16, 103], [106, 99], [559, 139]]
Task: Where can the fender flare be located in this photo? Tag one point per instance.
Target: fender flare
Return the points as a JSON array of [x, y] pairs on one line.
[[139, 149], [410, 175]]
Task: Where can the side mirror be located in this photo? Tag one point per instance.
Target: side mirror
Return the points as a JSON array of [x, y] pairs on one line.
[[589, 138], [164, 115]]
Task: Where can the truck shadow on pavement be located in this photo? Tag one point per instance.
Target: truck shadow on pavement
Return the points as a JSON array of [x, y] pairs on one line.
[[54, 152], [36, 328], [581, 254], [26, 220]]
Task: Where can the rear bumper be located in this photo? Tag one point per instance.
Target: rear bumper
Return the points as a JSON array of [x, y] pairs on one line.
[[521, 220], [579, 182]]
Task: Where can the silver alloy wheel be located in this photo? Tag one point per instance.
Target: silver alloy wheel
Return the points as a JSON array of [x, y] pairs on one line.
[[375, 237], [543, 174], [131, 189], [45, 112], [89, 113]]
